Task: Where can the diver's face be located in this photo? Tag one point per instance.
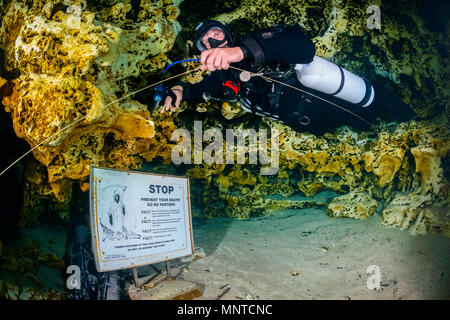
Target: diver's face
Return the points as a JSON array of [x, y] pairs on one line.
[[214, 33]]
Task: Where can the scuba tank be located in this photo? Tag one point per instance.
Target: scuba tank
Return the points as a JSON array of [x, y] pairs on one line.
[[327, 77], [82, 257], [93, 285]]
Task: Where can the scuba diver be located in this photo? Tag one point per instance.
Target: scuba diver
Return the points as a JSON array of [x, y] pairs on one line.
[[93, 285], [284, 54]]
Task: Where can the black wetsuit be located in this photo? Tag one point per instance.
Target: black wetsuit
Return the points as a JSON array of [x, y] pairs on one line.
[[279, 48]]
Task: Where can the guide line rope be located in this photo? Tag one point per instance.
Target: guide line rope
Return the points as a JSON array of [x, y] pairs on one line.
[[298, 89], [83, 117], [168, 79]]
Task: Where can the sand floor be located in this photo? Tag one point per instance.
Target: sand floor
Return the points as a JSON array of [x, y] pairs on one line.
[[256, 257]]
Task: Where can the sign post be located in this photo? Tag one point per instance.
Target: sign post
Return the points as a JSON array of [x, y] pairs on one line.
[[138, 218]]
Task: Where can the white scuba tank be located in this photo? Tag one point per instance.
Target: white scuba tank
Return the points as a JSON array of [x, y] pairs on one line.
[[327, 77]]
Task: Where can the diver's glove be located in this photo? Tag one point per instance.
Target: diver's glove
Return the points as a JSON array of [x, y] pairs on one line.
[[161, 93]]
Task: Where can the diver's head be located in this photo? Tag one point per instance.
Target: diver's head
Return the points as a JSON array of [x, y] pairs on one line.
[[212, 34]]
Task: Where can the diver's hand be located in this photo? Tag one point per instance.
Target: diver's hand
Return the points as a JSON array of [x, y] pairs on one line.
[[220, 58], [178, 91]]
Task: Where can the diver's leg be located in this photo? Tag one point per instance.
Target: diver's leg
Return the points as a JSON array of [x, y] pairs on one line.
[[316, 116]]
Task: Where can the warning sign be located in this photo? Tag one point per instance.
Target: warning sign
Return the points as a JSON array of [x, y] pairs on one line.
[[138, 218]]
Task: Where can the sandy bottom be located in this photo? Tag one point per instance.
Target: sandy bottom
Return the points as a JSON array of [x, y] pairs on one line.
[[328, 257], [257, 256]]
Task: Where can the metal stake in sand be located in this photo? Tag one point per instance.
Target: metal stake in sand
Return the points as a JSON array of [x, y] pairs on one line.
[[168, 269], [136, 278]]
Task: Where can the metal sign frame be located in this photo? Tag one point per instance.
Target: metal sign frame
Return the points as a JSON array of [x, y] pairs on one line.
[[126, 263]]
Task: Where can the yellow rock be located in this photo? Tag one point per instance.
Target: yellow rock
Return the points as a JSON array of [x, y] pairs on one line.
[[428, 164], [133, 126], [224, 182], [385, 158], [417, 213], [232, 201], [242, 176], [356, 205], [72, 66]]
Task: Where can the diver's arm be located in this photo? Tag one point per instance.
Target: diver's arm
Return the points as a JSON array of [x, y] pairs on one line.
[[193, 93], [290, 45], [220, 58]]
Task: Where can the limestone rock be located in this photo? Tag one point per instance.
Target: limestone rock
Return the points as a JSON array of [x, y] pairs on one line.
[[356, 205], [74, 63], [417, 213], [424, 209], [385, 158], [75, 57], [427, 157], [41, 197], [344, 161], [33, 260]]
